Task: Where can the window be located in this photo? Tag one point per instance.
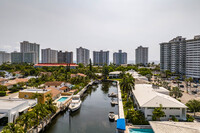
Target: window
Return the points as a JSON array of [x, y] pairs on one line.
[[150, 108], [149, 115], [174, 108], [26, 96]]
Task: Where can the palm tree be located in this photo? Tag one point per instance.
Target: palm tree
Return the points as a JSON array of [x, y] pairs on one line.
[[193, 105], [186, 82], [176, 92], [157, 113], [38, 96], [127, 84]]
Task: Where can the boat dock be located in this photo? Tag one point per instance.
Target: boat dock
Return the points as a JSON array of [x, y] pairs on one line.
[[120, 103], [84, 89]]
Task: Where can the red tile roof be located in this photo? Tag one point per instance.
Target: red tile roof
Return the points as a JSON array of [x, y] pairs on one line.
[[56, 64], [54, 91], [53, 83], [63, 88]]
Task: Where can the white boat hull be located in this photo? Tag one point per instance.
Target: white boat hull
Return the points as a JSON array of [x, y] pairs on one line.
[[73, 107]]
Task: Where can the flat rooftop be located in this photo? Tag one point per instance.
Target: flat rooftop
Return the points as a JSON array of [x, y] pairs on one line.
[[175, 127], [9, 104], [35, 90]]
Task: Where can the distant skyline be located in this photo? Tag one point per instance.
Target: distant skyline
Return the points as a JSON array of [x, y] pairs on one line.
[[97, 25]]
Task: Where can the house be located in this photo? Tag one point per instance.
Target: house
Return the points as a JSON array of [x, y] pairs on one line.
[[3, 81], [147, 99], [10, 109], [10, 83], [78, 74], [29, 94], [55, 84], [137, 76], [115, 74], [54, 93], [64, 89]]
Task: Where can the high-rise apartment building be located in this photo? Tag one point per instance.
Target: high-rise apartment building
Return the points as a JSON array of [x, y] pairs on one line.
[[4, 57], [120, 58], [141, 54], [181, 56], [27, 47], [100, 58], [19, 57], [49, 56], [65, 57], [82, 56]]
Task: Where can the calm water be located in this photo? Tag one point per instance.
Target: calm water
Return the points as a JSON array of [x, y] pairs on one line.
[[92, 116]]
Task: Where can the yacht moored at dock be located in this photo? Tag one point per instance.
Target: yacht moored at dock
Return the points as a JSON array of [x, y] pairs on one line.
[[75, 103]]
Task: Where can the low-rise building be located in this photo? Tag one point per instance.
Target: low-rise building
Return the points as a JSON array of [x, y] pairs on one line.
[[55, 84], [10, 109], [54, 93], [78, 74], [147, 99], [115, 74], [30, 93], [71, 65]]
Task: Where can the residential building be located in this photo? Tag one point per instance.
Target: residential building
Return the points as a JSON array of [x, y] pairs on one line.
[[82, 56], [66, 65], [29, 94], [54, 84], [55, 93], [19, 57], [10, 109], [27, 47], [120, 58], [49, 56], [100, 58], [65, 57], [78, 75], [147, 99], [4, 57], [141, 54], [181, 56], [115, 74]]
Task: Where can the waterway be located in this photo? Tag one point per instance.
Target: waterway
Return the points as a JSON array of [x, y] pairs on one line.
[[92, 117]]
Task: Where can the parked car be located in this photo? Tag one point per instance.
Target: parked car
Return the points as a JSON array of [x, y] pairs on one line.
[[195, 85]]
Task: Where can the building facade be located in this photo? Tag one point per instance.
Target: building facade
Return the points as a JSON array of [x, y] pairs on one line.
[[181, 56], [49, 56], [65, 57], [141, 55], [120, 58], [100, 58], [19, 57], [27, 47], [4, 57], [16, 57], [82, 56]]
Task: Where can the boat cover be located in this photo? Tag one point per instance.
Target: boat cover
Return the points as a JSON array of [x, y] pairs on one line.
[[121, 124]]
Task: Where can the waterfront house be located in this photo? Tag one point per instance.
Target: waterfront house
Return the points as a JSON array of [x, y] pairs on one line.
[[10, 109], [147, 99], [30, 93], [54, 93], [78, 74], [64, 89]]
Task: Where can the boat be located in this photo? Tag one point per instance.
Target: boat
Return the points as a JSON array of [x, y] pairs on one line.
[[111, 116], [75, 103], [114, 103], [114, 83], [112, 94]]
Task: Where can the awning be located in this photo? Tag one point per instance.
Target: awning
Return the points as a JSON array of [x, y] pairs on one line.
[[2, 115], [121, 124], [23, 109]]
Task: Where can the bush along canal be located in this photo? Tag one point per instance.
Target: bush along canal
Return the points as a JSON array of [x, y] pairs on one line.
[[92, 117]]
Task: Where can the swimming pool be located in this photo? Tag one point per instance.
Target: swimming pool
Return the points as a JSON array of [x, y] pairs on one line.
[[132, 130], [62, 99]]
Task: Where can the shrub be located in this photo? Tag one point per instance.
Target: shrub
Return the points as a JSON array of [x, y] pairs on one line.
[[189, 118], [3, 88], [2, 93]]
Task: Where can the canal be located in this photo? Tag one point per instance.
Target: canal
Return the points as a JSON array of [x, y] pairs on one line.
[[92, 117]]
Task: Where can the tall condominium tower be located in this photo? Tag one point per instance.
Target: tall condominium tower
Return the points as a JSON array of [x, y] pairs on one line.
[[82, 56], [181, 56], [65, 57], [27, 47], [141, 54], [19, 57], [120, 58], [4, 57], [100, 58], [49, 56]]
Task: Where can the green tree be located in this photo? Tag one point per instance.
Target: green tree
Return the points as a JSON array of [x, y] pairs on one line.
[[13, 128], [127, 84], [91, 65], [157, 113], [105, 71], [176, 92], [193, 106], [3, 88]]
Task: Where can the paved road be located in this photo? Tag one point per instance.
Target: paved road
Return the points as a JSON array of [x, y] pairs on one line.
[[14, 95]]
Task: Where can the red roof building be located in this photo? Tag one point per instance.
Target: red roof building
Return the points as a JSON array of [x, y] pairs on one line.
[[72, 65]]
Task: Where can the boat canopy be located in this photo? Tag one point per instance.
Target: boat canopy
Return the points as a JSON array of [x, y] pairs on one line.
[[121, 124]]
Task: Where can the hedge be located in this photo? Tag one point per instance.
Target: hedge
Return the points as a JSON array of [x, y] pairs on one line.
[[2, 93]]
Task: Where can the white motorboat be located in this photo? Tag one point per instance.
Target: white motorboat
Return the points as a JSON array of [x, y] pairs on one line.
[[114, 103], [112, 94], [111, 116], [75, 103]]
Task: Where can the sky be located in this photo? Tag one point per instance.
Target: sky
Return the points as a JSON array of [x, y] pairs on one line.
[[97, 24]]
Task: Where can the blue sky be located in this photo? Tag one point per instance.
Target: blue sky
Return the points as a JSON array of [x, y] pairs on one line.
[[97, 24]]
